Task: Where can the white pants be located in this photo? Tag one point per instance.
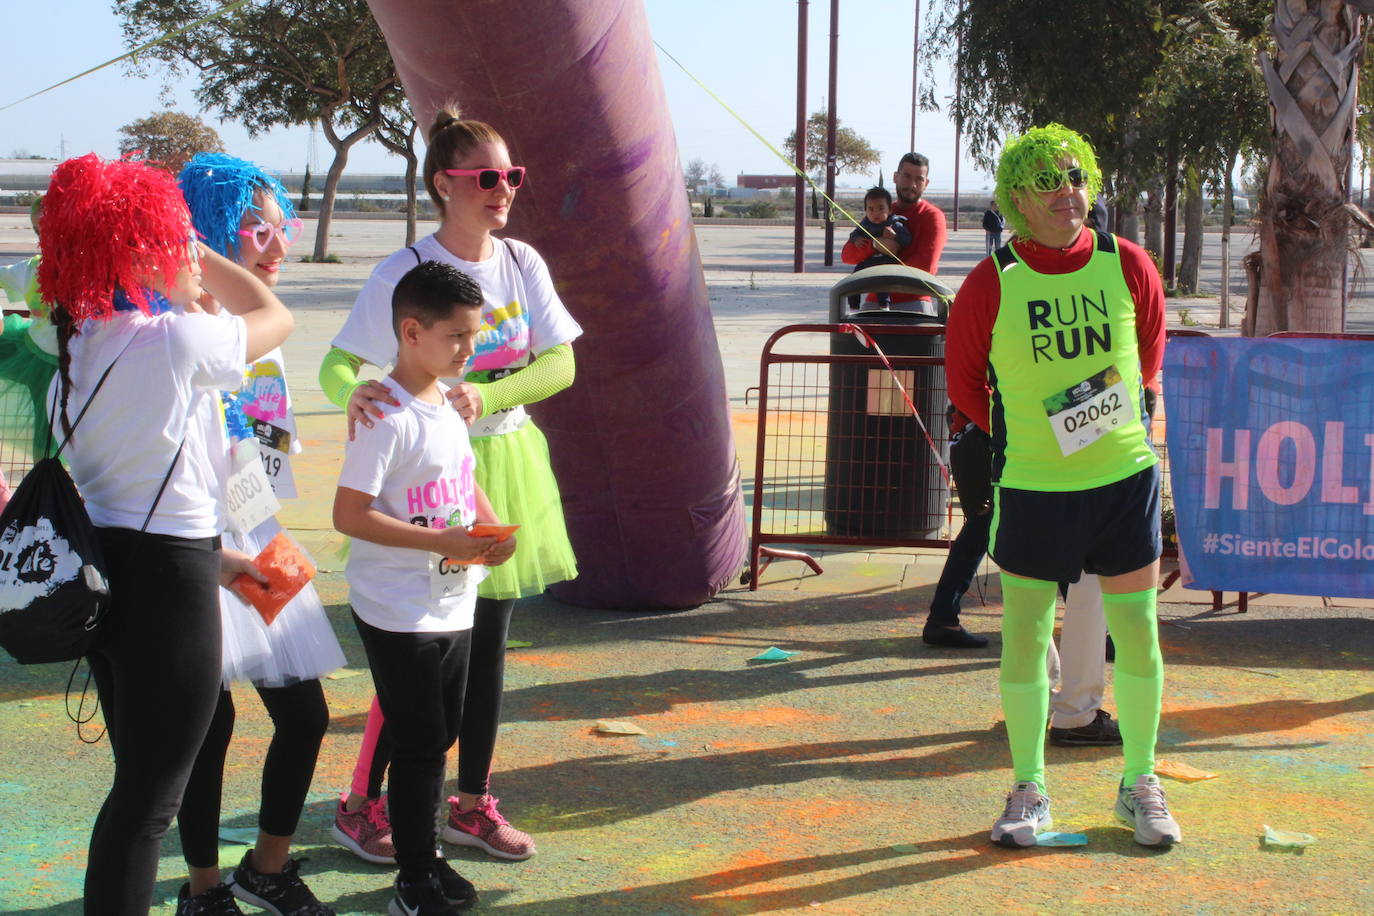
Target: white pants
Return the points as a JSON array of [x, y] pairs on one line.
[[1079, 666]]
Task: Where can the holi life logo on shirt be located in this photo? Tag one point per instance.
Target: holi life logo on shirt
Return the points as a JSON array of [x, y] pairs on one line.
[[443, 503], [503, 338], [263, 396]]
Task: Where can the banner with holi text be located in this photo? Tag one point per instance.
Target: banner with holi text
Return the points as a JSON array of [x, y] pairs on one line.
[[1271, 459]]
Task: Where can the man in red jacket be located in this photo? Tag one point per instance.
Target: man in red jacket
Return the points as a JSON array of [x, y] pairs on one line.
[[925, 220]]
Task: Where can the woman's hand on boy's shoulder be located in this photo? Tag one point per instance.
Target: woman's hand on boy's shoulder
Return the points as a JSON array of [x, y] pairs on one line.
[[456, 543], [362, 405], [467, 400]]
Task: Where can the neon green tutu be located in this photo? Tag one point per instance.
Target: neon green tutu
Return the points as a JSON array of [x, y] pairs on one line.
[[513, 470], [26, 372]]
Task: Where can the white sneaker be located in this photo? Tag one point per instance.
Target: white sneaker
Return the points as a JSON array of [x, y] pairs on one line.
[[1143, 807], [1026, 814]]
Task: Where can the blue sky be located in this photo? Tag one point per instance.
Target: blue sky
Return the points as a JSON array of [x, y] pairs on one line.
[[745, 51]]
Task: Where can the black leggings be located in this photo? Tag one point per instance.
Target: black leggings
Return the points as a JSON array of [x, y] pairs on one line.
[[157, 669], [299, 720], [481, 704], [419, 679]]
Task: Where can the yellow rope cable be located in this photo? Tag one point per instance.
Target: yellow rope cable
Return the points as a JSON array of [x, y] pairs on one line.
[[771, 148], [227, 8]]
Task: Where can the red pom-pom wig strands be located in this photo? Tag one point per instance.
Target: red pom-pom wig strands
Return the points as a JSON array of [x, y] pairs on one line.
[[107, 226]]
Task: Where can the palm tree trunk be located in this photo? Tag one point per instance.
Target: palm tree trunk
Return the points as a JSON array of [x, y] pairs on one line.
[[1304, 221]]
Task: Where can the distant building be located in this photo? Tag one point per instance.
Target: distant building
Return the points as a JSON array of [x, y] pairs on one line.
[[765, 182]]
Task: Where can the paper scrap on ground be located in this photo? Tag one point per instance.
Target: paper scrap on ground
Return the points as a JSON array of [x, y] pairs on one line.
[[1181, 771], [1055, 838], [905, 847], [243, 836], [343, 673], [518, 644], [1287, 839], [772, 654], [617, 727]]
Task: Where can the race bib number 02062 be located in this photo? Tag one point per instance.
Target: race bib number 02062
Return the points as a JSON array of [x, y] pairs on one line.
[[1084, 413]]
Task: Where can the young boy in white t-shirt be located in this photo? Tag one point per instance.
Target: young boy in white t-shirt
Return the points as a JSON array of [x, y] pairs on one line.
[[407, 496]]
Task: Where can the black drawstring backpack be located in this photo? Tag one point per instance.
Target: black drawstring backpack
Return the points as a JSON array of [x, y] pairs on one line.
[[53, 588]]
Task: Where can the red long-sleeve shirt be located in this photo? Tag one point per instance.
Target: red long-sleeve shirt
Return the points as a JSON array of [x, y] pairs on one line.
[[968, 335], [928, 232]]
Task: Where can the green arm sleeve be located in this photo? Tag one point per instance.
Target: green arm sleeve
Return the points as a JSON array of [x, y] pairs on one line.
[[549, 373], [339, 375]]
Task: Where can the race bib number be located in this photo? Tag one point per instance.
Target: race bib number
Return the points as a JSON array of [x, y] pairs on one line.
[[248, 496], [274, 446], [449, 578], [1089, 410]]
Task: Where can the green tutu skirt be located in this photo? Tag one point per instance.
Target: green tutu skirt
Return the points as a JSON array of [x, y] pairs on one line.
[[513, 470], [26, 372]]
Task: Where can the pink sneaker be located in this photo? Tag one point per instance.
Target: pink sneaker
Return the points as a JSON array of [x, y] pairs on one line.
[[366, 832], [485, 828]]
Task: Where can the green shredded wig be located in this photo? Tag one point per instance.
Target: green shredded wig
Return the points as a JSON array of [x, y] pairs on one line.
[[1034, 151]]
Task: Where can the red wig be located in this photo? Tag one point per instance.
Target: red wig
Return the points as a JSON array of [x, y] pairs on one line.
[[107, 226]]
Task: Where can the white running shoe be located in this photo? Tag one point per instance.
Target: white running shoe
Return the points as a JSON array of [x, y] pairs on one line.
[[1026, 814], [1143, 807]]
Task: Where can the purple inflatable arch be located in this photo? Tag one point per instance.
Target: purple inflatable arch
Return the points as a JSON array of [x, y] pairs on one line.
[[641, 443]]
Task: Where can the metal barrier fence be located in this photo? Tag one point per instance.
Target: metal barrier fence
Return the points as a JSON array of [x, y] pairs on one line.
[[840, 458]]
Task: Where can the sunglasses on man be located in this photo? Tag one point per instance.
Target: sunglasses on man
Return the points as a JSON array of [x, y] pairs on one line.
[[1048, 180], [487, 178]]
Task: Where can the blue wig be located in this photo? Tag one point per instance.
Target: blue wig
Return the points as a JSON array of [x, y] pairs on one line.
[[219, 189]]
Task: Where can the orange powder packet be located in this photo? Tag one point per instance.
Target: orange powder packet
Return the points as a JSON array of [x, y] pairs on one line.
[[287, 569], [487, 530]]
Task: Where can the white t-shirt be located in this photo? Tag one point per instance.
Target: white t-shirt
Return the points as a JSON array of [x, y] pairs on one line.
[[522, 315], [165, 385], [417, 463]]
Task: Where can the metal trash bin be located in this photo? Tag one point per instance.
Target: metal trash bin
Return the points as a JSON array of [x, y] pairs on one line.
[[881, 479]]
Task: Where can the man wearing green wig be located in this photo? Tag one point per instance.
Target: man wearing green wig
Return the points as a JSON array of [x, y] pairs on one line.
[[1051, 342]]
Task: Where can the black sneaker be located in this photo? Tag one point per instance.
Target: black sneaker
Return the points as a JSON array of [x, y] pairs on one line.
[[955, 637], [420, 898], [284, 894], [457, 889], [1102, 731], [217, 901]]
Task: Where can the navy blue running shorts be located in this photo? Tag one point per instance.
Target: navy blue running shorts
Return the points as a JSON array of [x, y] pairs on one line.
[[1110, 530]]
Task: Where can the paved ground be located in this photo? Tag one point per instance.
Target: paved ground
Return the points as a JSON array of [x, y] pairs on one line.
[[857, 777]]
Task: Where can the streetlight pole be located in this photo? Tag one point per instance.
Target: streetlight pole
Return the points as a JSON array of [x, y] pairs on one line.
[[799, 231], [830, 120]]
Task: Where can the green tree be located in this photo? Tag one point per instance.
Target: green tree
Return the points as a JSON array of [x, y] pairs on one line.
[[397, 133], [168, 139], [852, 152], [278, 62]]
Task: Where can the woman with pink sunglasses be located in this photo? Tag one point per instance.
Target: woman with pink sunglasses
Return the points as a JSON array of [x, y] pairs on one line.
[[243, 213], [524, 354]]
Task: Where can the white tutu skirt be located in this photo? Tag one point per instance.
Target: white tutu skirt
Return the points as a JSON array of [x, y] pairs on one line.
[[299, 645]]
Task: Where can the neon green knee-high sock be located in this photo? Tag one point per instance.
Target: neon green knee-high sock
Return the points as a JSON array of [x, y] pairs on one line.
[[1139, 677], [1027, 625]]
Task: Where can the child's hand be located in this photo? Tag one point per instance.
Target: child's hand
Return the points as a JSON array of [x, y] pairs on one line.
[[232, 563], [889, 232], [499, 552], [456, 543]]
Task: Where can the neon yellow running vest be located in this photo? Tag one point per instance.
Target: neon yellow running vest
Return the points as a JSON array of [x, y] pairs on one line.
[[1068, 407]]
